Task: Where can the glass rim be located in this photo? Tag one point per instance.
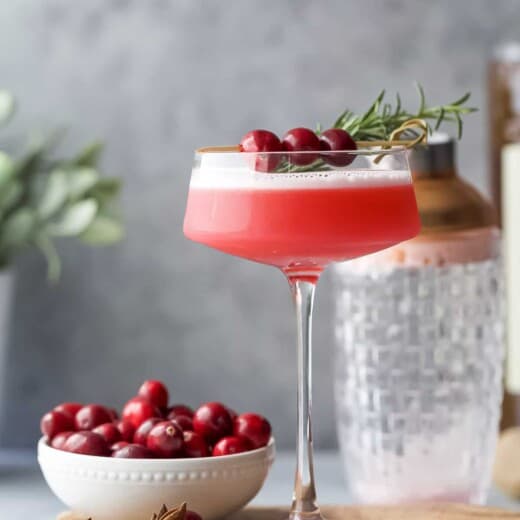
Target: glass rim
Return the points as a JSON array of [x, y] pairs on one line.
[[364, 151]]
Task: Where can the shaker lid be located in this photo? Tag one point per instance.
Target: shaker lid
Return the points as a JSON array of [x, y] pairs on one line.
[[434, 159], [507, 52], [446, 202]]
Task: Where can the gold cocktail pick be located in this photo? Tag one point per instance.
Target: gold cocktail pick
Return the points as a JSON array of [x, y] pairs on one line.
[[412, 124], [415, 124]]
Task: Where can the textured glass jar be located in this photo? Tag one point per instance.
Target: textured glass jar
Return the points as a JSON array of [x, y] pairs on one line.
[[419, 356]]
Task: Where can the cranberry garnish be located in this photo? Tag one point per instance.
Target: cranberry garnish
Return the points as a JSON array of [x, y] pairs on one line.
[[142, 432], [165, 440], [109, 431], [59, 440], [183, 422], [231, 445], [258, 141], [191, 515], [156, 392], [138, 409], [86, 443], [336, 139], [92, 415], [195, 445], [179, 409], [126, 429], [212, 421], [133, 451], [55, 422], [253, 427], [118, 445], [71, 408], [301, 140]]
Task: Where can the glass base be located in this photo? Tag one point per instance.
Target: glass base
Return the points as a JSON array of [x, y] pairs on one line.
[[306, 515]]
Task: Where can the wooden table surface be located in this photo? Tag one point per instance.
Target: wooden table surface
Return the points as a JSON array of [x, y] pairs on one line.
[[417, 512]]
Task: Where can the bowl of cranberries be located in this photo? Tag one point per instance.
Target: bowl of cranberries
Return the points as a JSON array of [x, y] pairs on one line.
[[107, 465]]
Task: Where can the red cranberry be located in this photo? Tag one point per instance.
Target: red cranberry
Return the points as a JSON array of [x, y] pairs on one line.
[[55, 422], [156, 392], [59, 440], [92, 415], [231, 445], [86, 443], [165, 440], [179, 409], [183, 422], [301, 140], [194, 445], [118, 445], [258, 141], [138, 410], [109, 431], [232, 414], [212, 421], [191, 515], [253, 427], [126, 429], [71, 408], [113, 413], [142, 432], [133, 451], [336, 139]]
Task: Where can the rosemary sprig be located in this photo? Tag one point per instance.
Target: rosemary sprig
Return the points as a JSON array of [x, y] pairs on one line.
[[381, 118]]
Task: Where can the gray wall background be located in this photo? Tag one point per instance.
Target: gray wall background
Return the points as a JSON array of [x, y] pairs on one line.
[[155, 79]]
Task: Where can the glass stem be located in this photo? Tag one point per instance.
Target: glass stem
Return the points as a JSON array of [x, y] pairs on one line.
[[304, 496]]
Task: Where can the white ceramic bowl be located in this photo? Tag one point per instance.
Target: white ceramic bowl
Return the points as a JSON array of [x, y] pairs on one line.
[[131, 489]]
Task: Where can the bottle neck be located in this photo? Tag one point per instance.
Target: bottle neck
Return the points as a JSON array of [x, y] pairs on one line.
[[433, 161]]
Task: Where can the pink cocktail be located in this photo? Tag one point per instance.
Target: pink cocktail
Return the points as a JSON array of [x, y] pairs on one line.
[[300, 222]]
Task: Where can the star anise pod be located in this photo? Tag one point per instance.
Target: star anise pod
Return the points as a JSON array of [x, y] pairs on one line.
[[176, 513]]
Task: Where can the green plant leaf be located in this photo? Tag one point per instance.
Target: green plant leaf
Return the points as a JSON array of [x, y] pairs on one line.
[[44, 243], [103, 230], [459, 125], [54, 194], [75, 219], [462, 100], [10, 195], [80, 180], [422, 98], [31, 163], [7, 168], [105, 190], [90, 155], [440, 117], [18, 229], [7, 105]]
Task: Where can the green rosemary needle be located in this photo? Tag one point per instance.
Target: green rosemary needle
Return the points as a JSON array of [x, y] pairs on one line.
[[381, 119]]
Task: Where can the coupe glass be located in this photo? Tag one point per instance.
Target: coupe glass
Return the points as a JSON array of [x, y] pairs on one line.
[[349, 204]]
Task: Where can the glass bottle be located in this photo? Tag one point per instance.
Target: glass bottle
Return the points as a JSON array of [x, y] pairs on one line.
[[503, 87], [419, 355]]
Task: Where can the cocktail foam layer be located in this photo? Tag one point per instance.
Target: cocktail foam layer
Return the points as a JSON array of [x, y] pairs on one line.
[[243, 178]]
